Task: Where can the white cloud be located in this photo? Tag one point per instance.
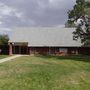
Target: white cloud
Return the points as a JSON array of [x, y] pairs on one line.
[[19, 15], [16, 13], [61, 4], [1, 23], [54, 1], [4, 30], [6, 11], [32, 22]]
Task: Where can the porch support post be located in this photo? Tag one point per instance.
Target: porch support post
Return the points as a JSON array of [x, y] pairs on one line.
[[27, 50], [77, 51], [13, 49], [19, 49], [49, 50], [10, 49]]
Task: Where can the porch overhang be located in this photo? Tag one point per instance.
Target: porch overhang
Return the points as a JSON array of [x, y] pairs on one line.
[[19, 43]]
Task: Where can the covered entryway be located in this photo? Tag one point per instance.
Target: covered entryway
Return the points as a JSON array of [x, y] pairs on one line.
[[19, 48]]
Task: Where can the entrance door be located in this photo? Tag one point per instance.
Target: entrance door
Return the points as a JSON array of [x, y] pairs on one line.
[[20, 50]]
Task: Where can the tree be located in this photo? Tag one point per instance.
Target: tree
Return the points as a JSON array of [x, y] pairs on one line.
[[4, 39], [78, 16], [78, 10], [83, 30], [88, 4]]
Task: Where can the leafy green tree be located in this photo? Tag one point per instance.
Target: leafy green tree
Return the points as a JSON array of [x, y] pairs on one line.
[[4, 39], [78, 10], [83, 32], [88, 4], [79, 16]]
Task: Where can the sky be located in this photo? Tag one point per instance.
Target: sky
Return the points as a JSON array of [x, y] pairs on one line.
[[33, 13]]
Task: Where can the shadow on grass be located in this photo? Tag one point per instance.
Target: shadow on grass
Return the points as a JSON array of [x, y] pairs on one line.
[[84, 58]]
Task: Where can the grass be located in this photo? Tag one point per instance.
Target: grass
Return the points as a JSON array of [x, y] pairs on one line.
[[3, 56], [46, 73]]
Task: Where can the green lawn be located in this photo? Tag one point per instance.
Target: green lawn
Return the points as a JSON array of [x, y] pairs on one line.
[[3, 56], [46, 73]]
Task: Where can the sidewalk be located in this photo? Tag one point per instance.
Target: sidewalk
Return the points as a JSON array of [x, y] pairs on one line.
[[9, 58]]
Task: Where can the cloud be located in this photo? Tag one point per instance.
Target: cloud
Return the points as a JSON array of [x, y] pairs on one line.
[[6, 12], [4, 30], [17, 13]]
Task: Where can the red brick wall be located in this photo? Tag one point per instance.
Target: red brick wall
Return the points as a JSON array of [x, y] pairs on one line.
[[56, 51], [38, 50], [84, 50], [46, 50], [50, 50]]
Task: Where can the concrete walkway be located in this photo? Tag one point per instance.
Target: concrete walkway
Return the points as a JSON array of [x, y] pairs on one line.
[[9, 58]]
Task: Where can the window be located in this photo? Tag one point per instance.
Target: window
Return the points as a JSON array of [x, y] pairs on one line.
[[63, 50]]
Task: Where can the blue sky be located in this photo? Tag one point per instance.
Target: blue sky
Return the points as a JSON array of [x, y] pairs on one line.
[[31, 13]]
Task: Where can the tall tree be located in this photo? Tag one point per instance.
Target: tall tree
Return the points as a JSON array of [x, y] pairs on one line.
[[76, 12], [83, 31], [4, 39], [79, 16]]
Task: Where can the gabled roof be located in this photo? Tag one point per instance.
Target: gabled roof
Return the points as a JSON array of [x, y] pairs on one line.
[[45, 36]]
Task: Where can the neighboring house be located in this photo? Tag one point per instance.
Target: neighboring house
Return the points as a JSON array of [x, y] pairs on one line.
[[44, 40]]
